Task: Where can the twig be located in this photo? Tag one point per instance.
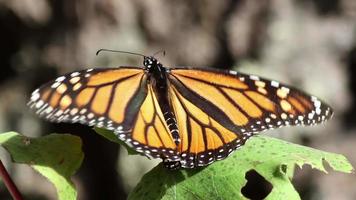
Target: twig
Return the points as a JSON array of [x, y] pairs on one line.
[[9, 183]]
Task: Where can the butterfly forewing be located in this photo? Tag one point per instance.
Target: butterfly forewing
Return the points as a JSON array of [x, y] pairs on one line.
[[241, 104], [247, 102], [108, 98]]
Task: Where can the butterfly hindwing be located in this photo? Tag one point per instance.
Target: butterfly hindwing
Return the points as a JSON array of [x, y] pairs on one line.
[[108, 98], [202, 139], [151, 135]]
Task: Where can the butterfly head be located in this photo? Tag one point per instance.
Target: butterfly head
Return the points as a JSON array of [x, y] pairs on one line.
[[150, 63]]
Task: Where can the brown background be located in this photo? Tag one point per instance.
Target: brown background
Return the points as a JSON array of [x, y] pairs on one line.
[[307, 43]]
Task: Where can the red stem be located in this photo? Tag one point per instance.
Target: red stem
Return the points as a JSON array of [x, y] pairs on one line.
[[9, 183]]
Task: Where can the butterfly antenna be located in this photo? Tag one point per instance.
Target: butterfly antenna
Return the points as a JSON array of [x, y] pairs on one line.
[[117, 51], [160, 51]]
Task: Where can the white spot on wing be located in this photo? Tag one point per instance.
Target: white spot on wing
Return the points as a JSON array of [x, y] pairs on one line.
[[233, 72], [285, 89], [253, 77], [60, 79], [35, 96], [275, 84], [55, 85], [39, 104], [317, 103], [318, 111], [74, 74]]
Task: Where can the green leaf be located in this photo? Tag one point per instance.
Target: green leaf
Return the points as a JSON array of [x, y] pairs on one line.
[[113, 138], [55, 156], [272, 158]]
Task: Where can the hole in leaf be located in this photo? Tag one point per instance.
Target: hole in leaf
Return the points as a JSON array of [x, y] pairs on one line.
[[257, 187], [304, 181], [284, 168]]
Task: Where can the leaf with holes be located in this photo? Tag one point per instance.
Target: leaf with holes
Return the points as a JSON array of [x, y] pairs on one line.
[[272, 158], [57, 157]]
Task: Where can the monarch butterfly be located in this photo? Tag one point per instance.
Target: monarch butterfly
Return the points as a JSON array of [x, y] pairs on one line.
[[186, 116]]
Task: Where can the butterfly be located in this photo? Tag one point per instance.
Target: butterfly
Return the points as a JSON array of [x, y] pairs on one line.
[[186, 116]]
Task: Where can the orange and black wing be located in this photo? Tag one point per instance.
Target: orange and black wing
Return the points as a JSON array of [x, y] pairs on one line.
[[218, 111], [118, 99], [151, 135], [109, 98]]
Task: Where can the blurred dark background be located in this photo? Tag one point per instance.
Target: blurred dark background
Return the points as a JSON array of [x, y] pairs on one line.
[[307, 43]]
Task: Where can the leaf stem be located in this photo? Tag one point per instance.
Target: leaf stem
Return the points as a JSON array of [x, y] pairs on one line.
[[10, 185]]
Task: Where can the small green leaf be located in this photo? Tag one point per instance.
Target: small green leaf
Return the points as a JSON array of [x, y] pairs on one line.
[[113, 138], [272, 158], [55, 156]]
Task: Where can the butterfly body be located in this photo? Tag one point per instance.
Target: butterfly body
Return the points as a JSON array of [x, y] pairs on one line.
[[186, 116], [158, 78]]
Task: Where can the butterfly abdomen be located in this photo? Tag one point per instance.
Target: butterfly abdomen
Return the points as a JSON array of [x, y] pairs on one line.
[[172, 125]]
